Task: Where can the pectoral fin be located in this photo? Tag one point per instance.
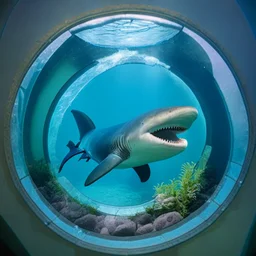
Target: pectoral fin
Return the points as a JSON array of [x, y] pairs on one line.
[[109, 163], [143, 172]]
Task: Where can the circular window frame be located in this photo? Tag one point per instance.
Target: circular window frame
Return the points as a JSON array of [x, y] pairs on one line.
[[160, 240]]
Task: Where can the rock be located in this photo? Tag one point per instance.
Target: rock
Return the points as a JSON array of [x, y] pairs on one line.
[[145, 229], [65, 211], [143, 219], [161, 201], [121, 220], [160, 223], [104, 231], [99, 226], [166, 220], [73, 206], [47, 193], [173, 217], [100, 223], [100, 218], [84, 211], [52, 184], [72, 215], [126, 229], [119, 226], [110, 223], [160, 197], [87, 222], [57, 198], [168, 200], [139, 225], [59, 205], [44, 193]]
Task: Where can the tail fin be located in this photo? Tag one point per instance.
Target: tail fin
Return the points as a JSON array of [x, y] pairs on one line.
[[73, 151], [84, 123]]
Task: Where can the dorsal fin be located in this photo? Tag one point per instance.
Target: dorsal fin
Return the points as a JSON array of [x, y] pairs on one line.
[[84, 123]]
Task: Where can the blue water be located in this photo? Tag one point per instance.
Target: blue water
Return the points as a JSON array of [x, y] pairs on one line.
[[117, 96]]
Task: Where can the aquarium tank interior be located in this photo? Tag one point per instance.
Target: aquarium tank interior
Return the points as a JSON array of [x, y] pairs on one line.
[[129, 133]]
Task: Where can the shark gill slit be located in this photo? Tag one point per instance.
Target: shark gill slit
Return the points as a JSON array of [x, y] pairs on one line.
[[123, 147]]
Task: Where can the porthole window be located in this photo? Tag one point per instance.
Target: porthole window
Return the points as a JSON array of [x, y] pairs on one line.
[[128, 132]]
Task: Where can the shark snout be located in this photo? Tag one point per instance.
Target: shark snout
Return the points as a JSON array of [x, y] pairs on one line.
[[177, 117], [184, 116]]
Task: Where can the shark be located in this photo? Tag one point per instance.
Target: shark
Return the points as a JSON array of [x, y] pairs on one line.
[[150, 137]]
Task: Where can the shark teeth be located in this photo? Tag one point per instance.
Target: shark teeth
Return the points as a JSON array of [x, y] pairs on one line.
[[167, 134], [171, 128], [177, 142], [169, 141]]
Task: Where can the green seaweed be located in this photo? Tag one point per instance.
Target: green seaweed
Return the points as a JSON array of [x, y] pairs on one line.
[[150, 210], [92, 210], [40, 173], [155, 211], [89, 208], [43, 177], [77, 201], [184, 190], [167, 189]]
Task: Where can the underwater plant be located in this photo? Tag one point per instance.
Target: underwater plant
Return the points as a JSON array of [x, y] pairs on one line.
[[182, 191], [49, 186], [91, 209], [40, 173], [156, 211]]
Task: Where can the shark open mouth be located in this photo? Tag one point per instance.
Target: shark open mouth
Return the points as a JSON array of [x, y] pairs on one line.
[[168, 135]]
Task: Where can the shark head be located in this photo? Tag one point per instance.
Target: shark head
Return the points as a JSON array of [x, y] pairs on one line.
[[154, 134]]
